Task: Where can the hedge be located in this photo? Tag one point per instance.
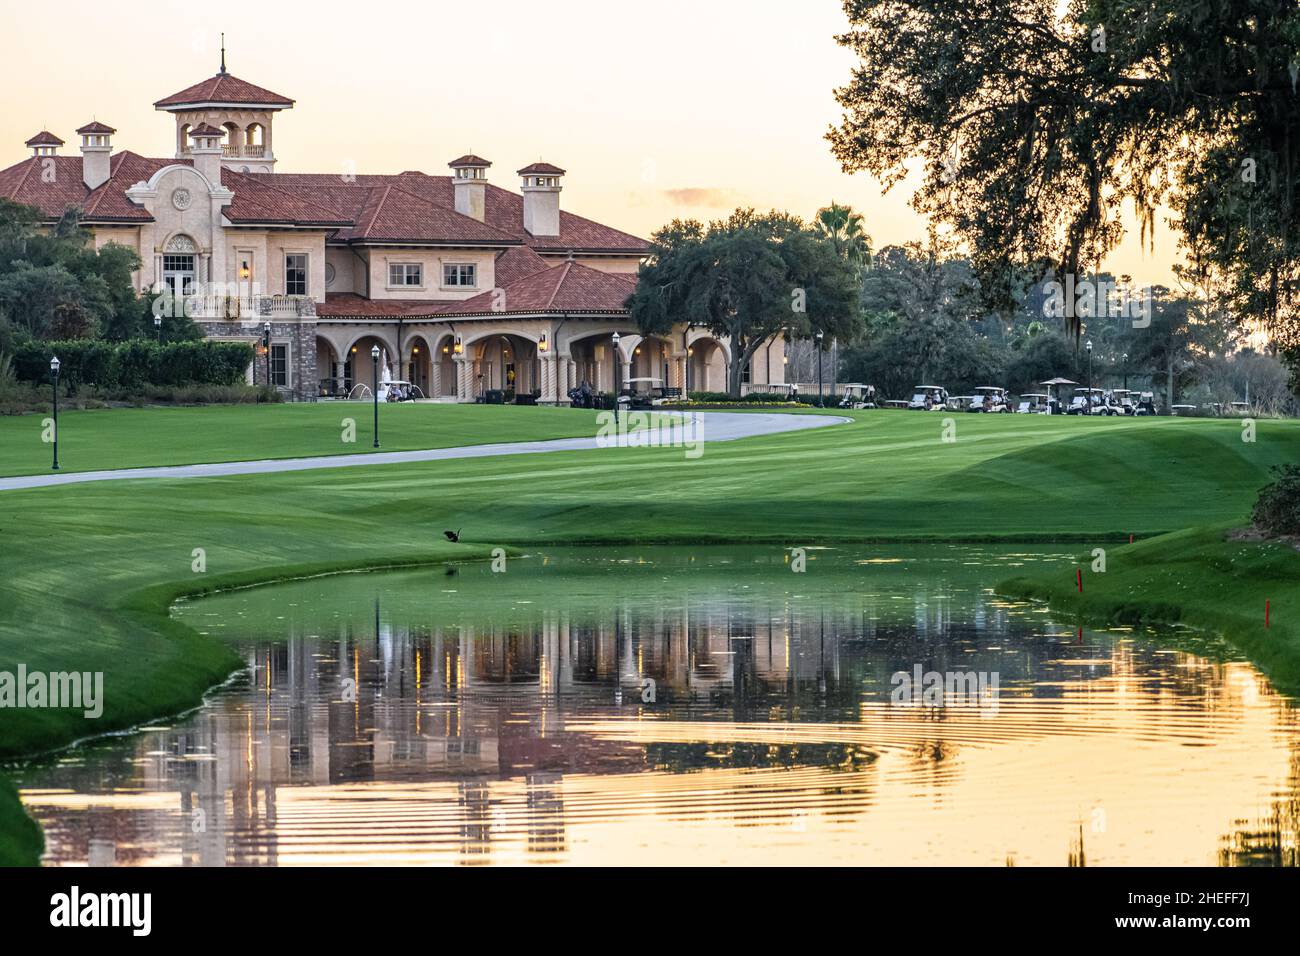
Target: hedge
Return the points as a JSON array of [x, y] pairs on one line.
[[134, 363]]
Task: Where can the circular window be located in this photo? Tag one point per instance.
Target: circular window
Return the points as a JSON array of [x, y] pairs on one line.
[[329, 274]]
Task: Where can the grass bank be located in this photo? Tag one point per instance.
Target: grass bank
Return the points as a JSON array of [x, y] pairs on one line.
[[147, 437], [86, 571], [1204, 578]]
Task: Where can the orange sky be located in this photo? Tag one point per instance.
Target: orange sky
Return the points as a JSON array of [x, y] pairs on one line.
[[677, 108]]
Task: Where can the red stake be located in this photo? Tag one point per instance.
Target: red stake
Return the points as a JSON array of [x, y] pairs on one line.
[[1078, 573], [1266, 603], [1080, 635], [1130, 537]]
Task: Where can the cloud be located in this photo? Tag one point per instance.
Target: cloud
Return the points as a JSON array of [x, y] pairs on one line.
[[704, 196]]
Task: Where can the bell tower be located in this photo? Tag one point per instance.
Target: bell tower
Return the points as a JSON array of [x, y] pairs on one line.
[[242, 111]]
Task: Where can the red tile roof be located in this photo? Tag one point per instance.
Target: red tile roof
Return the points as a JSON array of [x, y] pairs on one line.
[[44, 138], [30, 184], [207, 129], [224, 89], [96, 127], [516, 263], [346, 305], [469, 159], [541, 169], [259, 199], [565, 288], [391, 214]]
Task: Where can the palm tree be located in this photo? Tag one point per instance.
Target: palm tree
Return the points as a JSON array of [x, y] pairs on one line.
[[844, 228]]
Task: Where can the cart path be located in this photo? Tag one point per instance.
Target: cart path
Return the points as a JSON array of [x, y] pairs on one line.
[[713, 427]]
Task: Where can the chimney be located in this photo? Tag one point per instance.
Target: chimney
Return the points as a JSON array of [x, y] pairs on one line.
[[96, 153], [206, 151], [44, 143], [541, 188], [469, 179]]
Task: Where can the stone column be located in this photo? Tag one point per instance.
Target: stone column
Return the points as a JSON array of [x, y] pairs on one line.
[[435, 377], [464, 378], [677, 371]]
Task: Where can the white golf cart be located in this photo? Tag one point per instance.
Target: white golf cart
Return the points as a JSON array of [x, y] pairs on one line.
[[1146, 404], [929, 398], [1034, 403], [1122, 398], [1086, 401], [990, 398], [644, 392], [858, 396]]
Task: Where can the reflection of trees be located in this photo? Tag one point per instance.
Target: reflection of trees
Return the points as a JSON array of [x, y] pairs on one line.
[[1275, 839], [683, 757]]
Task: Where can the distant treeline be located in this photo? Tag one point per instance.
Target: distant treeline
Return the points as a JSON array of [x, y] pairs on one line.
[[134, 363]]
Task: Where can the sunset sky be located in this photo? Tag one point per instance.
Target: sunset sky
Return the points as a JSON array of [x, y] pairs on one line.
[[696, 109]]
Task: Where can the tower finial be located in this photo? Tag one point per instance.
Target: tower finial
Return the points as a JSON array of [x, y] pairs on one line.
[[223, 53]]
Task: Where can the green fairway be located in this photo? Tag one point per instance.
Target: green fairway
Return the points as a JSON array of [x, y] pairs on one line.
[[143, 437], [87, 571]]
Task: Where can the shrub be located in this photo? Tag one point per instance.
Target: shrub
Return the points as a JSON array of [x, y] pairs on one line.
[[1277, 511], [133, 364]]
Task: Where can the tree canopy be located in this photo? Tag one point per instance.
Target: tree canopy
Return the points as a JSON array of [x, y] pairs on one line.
[[1036, 121], [750, 277]]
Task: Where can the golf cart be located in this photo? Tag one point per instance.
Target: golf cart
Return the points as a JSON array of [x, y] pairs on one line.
[[1054, 402], [900, 403], [990, 399], [1183, 410], [1034, 403], [929, 398], [1086, 401], [1240, 408], [1122, 398], [858, 396], [959, 403], [1146, 404], [644, 392]]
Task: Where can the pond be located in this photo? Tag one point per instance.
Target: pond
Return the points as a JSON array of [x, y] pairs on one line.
[[866, 705]]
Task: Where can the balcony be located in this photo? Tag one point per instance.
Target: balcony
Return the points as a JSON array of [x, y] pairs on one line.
[[233, 308], [244, 152]]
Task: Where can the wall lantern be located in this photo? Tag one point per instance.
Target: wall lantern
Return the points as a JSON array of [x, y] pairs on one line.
[[244, 271], [457, 347], [542, 346], [415, 350]]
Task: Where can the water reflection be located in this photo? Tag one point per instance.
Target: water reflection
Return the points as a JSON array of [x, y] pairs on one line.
[[746, 718]]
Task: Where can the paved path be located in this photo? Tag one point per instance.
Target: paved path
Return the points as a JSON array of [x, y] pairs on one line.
[[713, 426]]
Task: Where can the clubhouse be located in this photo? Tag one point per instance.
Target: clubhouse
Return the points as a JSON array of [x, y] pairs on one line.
[[466, 287]]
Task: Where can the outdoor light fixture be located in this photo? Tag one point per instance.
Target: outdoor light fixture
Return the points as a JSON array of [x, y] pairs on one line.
[[617, 369], [244, 271], [266, 344], [157, 324], [457, 347], [54, 372], [821, 401], [541, 345], [374, 392], [1087, 405]]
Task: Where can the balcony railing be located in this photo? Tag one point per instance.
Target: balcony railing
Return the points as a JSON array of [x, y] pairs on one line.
[[244, 152], [249, 308]]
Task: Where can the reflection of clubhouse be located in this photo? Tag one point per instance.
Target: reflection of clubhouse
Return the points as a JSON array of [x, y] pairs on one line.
[[473, 288]]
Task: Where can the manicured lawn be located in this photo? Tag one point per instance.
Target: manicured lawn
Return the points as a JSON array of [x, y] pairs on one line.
[[141, 437], [87, 571]]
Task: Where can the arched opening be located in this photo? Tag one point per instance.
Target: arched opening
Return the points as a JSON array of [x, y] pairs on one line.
[[419, 364], [652, 359], [183, 139], [446, 360], [507, 364], [332, 374], [706, 365], [360, 368], [254, 140], [594, 361], [233, 139]]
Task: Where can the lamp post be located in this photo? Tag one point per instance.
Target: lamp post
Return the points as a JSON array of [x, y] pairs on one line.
[[54, 372], [157, 326], [1124, 360], [1088, 404], [266, 347], [374, 391], [618, 362], [821, 401]]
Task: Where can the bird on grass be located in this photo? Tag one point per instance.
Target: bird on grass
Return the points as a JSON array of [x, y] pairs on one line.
[[453, 535]]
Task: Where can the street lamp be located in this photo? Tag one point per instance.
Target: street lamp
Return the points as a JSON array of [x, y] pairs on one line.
[[266, 347], [821, 401], [1088, 403], [54, 371], [1124, 361], [157, 325], [374, 392], [617, 369]]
